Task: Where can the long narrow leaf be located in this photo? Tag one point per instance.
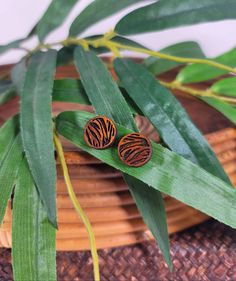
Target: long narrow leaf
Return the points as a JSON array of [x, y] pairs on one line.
[[37, 129], [197, 73], [7, 91], [54, 16], [225, 87], [8, 132], [18, 75], [107, 100], [33, 237], [167, 116], [72, 90], [166, 171], [187, 49], [164, 14], [10, 157], [226, 109], [96, 11], [12, 45]]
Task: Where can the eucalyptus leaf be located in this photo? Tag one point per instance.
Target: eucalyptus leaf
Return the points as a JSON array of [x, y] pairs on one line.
[[8, 172], [164, 14], [188, 49], [7, 91], [33, 237], [226, 109], [167, 115], [166, 171], [197, 72], [37, 127], [225, 87], [54, 16], [98, 10], [99, 85]]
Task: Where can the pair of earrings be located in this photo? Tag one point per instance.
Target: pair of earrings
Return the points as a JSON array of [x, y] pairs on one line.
[[134, 149]]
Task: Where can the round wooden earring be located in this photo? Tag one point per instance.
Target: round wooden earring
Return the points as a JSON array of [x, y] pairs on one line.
[[135, 150], [100, 132]]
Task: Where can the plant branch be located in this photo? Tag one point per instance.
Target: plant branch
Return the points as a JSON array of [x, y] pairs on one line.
[[175, 85], [106, 41], [77, 206]]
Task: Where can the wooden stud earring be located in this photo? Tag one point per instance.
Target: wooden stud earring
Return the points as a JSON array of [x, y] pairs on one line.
[[135, 150], [100, 132]]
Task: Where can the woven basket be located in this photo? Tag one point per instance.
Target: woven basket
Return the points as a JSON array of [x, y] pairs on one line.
[[105, 198]]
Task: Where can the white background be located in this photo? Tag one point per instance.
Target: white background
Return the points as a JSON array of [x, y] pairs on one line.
[[17, 17]]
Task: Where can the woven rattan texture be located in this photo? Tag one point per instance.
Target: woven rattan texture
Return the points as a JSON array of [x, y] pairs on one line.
[[204, 252]]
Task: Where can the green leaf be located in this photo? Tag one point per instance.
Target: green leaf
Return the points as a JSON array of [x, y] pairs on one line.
[[72, 90], [69, 90], [10, 157], [188, 49], [54, 16], [12, 45], [98, 10], [225, 87], [167, 116], [166, 171], [226, 109], [197, 72], [99, 85], [8, 132], [152, 207], [37, 128], [18, 75], [164, 14], [7, 91], [33, 237]]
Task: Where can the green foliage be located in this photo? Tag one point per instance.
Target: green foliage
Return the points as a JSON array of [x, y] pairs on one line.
[[65, 54], [167, 116], [226, 109], [69, 90], [166, 171], [197, 73], [54, 16], [99, 85], [186, 49], [225, 87], [98, 10], [10, 157], [7, 91], [12, 45], [137, 92], [165, 14], [37, 129], [18, 75], [33, 237]]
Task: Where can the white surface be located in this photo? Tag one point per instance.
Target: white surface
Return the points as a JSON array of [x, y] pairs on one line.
[[18, 16]]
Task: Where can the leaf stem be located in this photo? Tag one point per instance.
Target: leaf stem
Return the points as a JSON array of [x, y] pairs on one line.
[[77, 206], [106, 41], [176, 85]]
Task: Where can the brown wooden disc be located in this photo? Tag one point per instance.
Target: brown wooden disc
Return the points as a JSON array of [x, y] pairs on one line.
[[100, 132], [135, 150]]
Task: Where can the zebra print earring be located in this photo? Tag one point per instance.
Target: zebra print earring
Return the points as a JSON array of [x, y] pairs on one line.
[[100, 132], [135, 150]]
